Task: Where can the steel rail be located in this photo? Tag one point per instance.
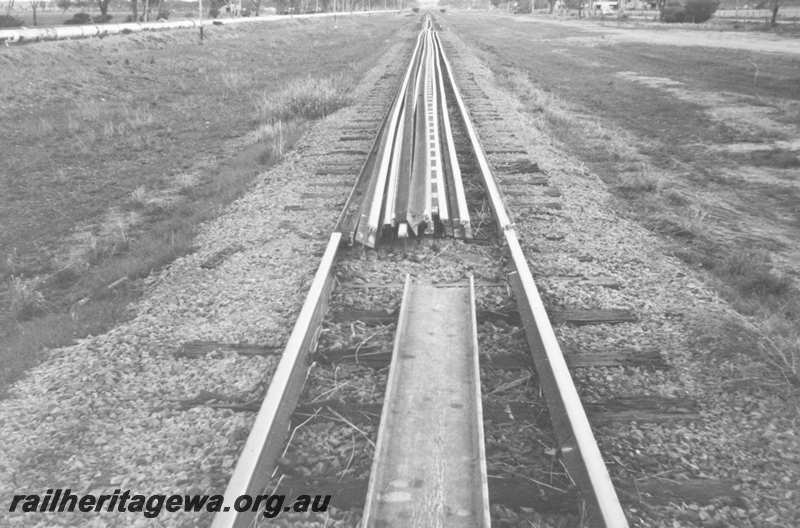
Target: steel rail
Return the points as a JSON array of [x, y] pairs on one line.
[[436, 177], [390, 211], [495, 198], [480, 454], [347, 222], [372, 191], [429, 466], [406, 158], [574, 433], [417, 192], [455, 169], [271, 427], [39, 34], [391, 382], [374, 218]]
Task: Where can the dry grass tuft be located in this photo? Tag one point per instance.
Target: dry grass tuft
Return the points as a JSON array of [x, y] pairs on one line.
[[767, 306], [235, 80], [139, 196], [271, 134], [25, 301], [101, 248], [643, 181], [752, 274], [689, 226], [306, 98], [185, 180], [133, 119], [782, 347], [283, 114], [11, 264]]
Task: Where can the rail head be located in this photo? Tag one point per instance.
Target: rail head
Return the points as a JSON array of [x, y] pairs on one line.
[[578, 447], [480, 455]]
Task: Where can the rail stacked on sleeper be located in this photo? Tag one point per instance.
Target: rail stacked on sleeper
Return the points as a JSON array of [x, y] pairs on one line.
[[401, 163]]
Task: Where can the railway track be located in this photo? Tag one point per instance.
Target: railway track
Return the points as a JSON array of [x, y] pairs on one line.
[[401, 306]]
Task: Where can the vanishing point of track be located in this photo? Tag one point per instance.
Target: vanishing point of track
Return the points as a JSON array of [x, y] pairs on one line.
[[429, 466]]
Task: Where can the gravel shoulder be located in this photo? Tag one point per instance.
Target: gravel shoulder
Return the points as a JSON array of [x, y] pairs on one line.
[[114, 411]]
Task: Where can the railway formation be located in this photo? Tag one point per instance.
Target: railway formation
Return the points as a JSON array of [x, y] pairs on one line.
[[425, 196]]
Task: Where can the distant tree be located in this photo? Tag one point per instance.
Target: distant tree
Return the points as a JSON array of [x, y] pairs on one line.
[[672, 12], [146, 10], [699, 11], [103, 5], [135, 10], [696, 11], [524, 6], [774, 6], [213, 8], [79, 19], [64, 4], [35, 5]]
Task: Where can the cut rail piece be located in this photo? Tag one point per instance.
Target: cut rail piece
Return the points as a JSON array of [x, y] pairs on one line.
[[495, 198], [369, 233], [429, 468], [270, 429]]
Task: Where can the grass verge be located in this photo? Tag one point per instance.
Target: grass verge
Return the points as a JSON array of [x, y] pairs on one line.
[[90, 296], [146, 175], [767, 297]]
